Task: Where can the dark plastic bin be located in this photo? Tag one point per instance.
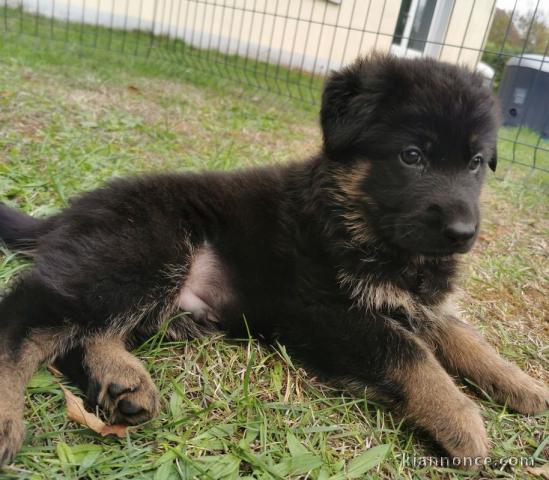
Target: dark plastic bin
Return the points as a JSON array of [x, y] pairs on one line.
[[524, 93]]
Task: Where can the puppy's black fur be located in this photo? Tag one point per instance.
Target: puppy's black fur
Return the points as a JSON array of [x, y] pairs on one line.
[[347, 259]]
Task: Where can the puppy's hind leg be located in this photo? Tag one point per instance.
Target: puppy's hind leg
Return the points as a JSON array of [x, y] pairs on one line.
[[31, 332], [112, 378]]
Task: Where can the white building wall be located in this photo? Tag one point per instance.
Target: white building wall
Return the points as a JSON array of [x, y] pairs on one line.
[[311, 35]]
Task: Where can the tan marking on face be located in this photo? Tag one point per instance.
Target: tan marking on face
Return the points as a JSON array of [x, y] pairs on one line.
[[350, 181], [349, 194]]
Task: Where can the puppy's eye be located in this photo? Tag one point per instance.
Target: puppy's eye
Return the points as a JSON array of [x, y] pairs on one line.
[[475, 163], [411, 156]]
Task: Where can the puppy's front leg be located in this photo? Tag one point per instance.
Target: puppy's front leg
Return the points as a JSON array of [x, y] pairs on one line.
[[432, 401], [398, 368], [462, 350]]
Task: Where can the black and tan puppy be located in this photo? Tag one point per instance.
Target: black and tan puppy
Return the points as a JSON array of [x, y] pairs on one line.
[[348, 259]]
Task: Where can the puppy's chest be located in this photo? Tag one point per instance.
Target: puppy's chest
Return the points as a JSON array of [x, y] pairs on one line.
[[408, 290], [208, 291]]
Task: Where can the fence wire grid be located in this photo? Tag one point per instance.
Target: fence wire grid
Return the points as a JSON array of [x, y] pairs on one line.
[[287, 47]]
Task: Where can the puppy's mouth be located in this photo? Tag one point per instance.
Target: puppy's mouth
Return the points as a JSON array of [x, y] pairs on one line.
[[443, 252], [438, 252]]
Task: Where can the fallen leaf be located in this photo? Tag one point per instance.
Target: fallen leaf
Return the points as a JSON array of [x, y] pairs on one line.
[[542, 471], [484, 237], [77, 413], [54, 371], [133, 89]]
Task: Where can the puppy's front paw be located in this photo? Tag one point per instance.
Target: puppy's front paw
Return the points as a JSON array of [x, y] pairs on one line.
[[12, 434], [131, 398], [465, 439], [133, 404], [529, 397]]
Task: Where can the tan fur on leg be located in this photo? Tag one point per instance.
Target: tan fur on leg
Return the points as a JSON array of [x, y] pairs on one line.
[[12, 429], [464, 352], [15, 371], [433, 402], [126, 390]]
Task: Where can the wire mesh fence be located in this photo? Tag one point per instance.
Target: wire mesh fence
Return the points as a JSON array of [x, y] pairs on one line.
[[287, 47]]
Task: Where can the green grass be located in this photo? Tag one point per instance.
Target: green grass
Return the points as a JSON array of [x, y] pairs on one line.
[[70, 119], [523, 155], [141, 44]]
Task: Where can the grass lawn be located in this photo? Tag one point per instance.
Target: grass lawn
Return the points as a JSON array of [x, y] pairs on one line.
[[68, 122]]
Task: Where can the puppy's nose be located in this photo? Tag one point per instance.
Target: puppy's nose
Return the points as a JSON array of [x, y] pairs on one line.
[[460, 232]]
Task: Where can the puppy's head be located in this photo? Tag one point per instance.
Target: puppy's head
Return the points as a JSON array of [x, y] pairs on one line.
[[410, 142]]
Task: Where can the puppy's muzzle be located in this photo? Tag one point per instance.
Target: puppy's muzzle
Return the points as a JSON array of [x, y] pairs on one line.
[[460, 234]]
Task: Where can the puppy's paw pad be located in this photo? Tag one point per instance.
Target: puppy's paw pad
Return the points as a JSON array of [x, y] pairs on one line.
[[116, 389], [12, 434], [132, 404]]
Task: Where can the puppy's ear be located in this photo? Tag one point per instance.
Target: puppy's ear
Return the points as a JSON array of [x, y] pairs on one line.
[[346, 107], [492, 163], [354, 97]]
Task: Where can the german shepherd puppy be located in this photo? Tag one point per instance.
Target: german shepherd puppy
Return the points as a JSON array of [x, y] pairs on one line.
[[348, 259]]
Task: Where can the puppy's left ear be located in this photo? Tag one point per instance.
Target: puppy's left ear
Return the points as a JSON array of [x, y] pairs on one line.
[[492, 163]]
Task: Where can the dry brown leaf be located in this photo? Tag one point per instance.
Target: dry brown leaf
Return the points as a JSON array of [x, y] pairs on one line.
[[54, 371], [542, 471], [77, 413], [485, 237]]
